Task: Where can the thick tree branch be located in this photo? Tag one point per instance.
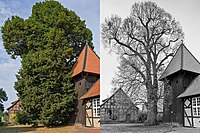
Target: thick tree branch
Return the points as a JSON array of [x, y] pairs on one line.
[[134, 51]]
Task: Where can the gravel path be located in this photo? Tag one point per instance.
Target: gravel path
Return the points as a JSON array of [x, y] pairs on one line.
[[141, 128]]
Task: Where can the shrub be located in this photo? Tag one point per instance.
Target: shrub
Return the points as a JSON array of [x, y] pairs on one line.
[[22, 118], [5, 117], [142, 117], [13, 119], [159, 117]]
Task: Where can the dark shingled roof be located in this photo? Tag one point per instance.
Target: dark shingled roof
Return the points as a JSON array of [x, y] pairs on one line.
[[193, 88], [182, 60], [13, 103]]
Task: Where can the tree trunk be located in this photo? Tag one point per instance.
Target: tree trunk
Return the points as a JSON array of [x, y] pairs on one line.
[[152, 104], [152, 113], [151, 93]]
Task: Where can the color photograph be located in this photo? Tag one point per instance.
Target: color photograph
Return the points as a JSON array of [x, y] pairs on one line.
[[50, 66]]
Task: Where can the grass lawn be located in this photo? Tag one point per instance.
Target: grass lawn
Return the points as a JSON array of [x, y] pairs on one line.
[[29, 129]]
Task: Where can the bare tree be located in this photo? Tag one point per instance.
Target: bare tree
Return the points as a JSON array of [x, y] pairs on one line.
[[130, 81], [148, 36]]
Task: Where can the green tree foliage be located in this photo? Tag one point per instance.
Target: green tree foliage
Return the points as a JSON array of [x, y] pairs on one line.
[[5, 116], [3, 98], [13, 119], [48, 43], [22, 118]]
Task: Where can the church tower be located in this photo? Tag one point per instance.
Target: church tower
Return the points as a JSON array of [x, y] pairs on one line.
[[180, 72], [85, 72]]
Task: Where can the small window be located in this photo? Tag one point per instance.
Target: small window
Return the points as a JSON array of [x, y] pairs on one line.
[[196, 106], [96, 107], [198, 101]]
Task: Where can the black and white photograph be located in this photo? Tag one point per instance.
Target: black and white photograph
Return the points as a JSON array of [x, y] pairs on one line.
[[150, 66]]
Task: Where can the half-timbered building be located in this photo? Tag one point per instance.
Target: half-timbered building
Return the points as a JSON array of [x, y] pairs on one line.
[[92, 106], [118, 108], [15, 107], [85, 73], [191, 104], [182, 75]]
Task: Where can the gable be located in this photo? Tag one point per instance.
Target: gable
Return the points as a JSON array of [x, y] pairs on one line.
[[13, 104], [119, 98]]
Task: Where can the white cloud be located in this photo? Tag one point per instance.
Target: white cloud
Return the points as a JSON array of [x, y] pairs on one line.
[[7, 78], [5, 12]]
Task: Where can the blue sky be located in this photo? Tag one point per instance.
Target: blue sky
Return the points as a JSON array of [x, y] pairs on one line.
[[88, 10]]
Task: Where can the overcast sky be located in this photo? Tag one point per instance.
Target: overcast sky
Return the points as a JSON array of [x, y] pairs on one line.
[[187, 12], [88, 10]]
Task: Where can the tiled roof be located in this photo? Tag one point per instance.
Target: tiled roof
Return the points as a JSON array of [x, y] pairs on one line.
[[13, 103], [93, 91], [88, 61], [193, 88], [182, 60]]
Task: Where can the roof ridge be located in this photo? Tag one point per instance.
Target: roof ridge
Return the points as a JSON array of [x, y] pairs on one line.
[[13, 103], [88, 61], [192, 55], [182, 60], [93, 51], [115, 93], [182, 45], [85, 57]]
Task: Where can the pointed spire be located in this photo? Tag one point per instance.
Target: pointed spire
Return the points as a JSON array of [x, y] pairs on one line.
[[182, 60], [88, 61]]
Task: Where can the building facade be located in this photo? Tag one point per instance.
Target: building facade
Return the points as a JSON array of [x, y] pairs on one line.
[[85, 73], [118, 108], [15, 107], [92, 106], [180, 74]]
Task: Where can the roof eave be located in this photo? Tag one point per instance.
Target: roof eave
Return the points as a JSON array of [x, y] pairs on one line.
[[82, 98]]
